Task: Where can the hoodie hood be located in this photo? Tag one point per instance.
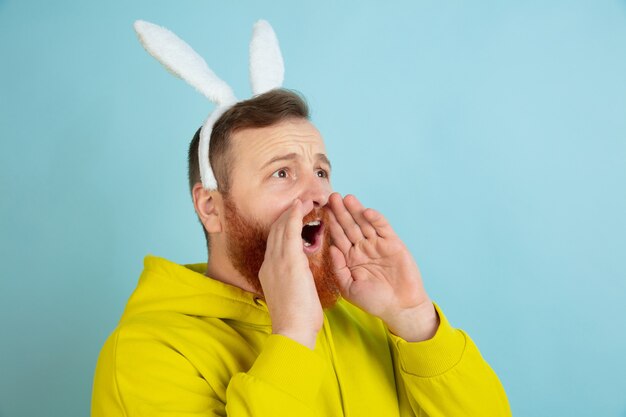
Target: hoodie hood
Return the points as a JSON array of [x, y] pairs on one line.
[[167, 286]]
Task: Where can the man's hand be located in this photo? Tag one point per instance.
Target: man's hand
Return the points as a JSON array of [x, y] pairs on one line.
[[376, 272], [287, 281]]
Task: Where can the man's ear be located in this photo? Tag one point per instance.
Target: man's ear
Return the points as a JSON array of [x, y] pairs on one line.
[[209, 206]]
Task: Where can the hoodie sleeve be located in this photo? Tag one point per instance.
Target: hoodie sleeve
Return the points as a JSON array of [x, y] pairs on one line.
[[446, 376], [139, 375], [284, 381], [142, 376]]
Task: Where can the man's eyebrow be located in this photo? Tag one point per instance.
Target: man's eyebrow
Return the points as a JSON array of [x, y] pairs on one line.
[[293, 156], [289, 157], [324, 159]]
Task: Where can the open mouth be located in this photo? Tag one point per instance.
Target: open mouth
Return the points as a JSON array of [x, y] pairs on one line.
[[311, 235]]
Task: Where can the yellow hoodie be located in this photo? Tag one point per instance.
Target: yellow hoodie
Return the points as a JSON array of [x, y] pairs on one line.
[[188, 345]]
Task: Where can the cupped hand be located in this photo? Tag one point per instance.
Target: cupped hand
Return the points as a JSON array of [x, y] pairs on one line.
[[376, 271], [287, 281]]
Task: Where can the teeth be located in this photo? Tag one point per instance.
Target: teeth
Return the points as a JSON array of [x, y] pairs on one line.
[[307, 244], [313, 223]]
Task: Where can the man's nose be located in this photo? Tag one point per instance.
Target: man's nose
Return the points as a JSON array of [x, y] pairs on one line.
[[316, 189]]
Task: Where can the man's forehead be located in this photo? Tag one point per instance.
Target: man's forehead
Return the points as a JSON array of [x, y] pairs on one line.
[[297, 138]]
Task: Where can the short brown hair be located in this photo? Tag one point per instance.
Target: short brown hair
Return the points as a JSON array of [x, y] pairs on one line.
[[264, 110]]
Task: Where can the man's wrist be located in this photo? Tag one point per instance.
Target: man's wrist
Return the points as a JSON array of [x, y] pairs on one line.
[[415, 325], [307, 339]]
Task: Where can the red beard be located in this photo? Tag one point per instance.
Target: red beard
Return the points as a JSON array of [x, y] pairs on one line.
[[246, 245]]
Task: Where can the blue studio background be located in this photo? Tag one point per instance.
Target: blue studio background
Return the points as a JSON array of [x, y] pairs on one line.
[[492, 134]]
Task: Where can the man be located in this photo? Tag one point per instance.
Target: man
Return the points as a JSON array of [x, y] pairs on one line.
[[309, 304]]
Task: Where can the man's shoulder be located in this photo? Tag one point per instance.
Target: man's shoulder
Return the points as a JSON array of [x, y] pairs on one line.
[[204, 342], [148, 347], [164, 325]]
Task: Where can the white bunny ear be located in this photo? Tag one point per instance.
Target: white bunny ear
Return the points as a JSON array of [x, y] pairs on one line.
[[267, 69], [180, 59]]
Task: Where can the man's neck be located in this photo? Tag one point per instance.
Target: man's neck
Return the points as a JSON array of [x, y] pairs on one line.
[[220, 268]]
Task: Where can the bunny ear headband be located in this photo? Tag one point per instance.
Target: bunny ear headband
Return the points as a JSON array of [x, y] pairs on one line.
[[266, 73]]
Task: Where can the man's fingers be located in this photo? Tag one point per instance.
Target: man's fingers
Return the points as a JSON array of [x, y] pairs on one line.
[[340, 240], [381, 225], [293, 226], [277, 230], [345, 219], [287, 229], [356, 209]]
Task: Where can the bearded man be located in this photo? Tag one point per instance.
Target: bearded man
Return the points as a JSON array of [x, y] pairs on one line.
[[309, 304]]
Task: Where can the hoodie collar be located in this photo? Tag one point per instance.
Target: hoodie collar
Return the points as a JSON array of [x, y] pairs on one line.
[[167, 286]]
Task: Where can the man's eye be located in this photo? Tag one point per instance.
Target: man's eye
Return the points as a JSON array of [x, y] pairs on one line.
[[281, 173], [322, 173]]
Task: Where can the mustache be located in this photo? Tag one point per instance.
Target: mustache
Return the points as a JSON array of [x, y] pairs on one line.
[[318, 213]]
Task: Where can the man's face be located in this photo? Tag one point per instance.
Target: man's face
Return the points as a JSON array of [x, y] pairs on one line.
[[273, 166]]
